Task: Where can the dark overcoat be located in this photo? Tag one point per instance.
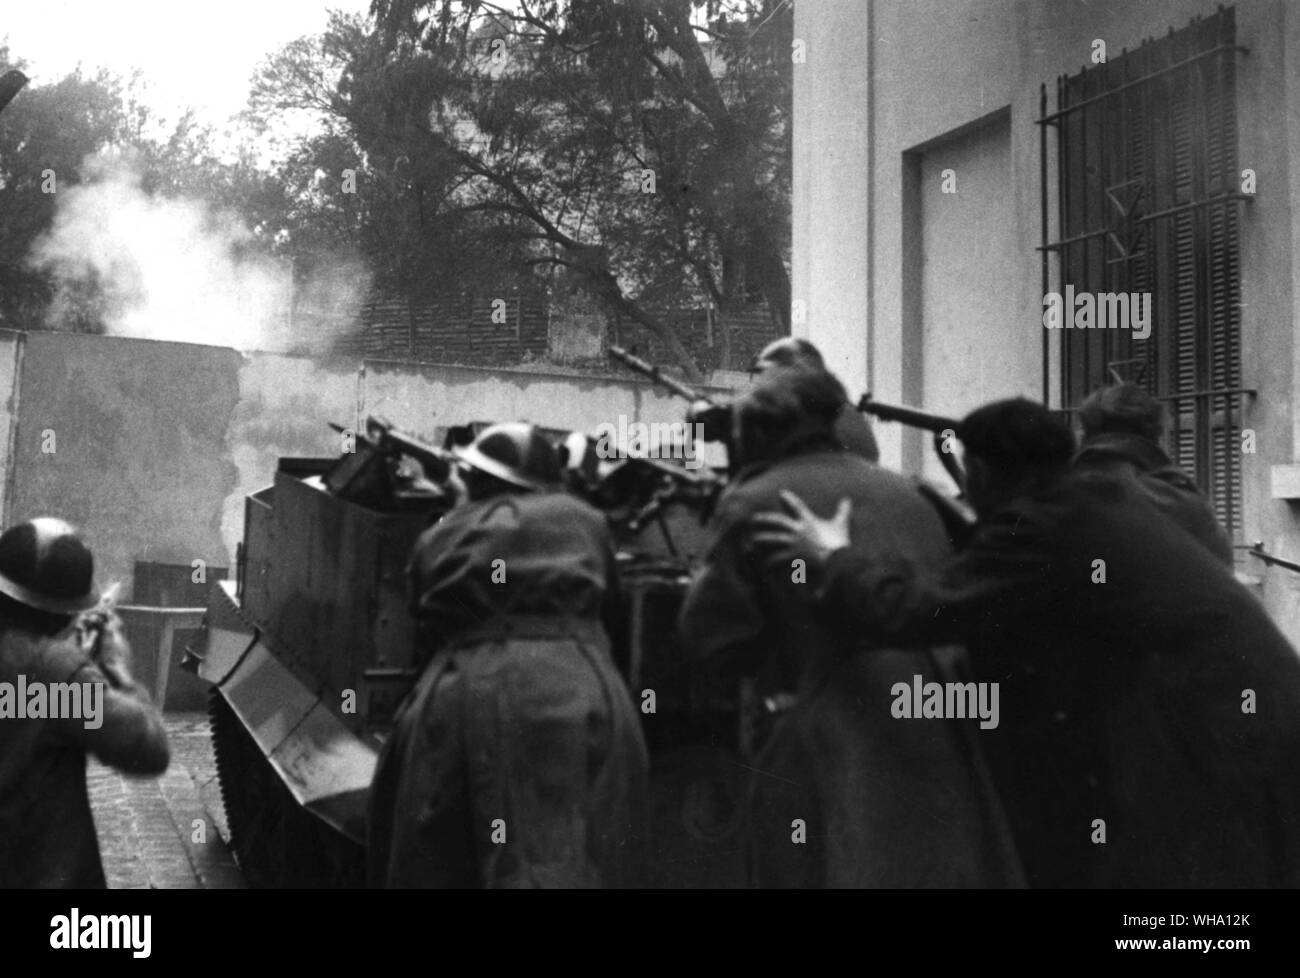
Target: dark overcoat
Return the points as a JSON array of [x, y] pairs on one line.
[[1150, 707], [1167, 486], [47, 832], [844, 793], [518, 759]]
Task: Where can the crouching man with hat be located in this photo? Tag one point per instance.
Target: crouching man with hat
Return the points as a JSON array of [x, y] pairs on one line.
[[69, 663], [518, 758]]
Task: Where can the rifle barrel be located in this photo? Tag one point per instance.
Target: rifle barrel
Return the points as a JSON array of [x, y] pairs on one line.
[[936, 423], [654, 374]]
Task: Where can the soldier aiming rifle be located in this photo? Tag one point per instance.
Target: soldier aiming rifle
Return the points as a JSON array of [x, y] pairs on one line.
[[851, 429]]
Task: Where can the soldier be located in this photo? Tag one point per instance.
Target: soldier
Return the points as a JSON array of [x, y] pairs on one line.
[[851, 429], [878, 804], [1122, 429], [1150, 709], [47, 835], [518, 759]]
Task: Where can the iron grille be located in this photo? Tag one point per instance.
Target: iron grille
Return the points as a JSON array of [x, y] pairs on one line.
[[1148, 202]]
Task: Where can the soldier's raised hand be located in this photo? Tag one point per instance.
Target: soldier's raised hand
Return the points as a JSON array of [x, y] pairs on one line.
[[804, 534]]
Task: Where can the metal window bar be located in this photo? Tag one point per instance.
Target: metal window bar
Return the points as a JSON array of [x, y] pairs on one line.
[[1146, 203]]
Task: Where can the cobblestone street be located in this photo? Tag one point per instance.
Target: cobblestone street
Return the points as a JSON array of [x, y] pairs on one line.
[[168, 832]]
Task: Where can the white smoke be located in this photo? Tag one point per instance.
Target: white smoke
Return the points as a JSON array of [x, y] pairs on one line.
[[165, 268]]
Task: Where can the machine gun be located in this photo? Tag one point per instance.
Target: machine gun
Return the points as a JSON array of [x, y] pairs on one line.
[[636, 493], [943, 429], [705, 410], [369, 471]]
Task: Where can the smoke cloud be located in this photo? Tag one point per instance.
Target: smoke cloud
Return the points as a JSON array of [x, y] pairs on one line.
[[165, 268]]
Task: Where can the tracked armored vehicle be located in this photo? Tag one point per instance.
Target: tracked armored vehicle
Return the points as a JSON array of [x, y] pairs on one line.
[[311, 649]]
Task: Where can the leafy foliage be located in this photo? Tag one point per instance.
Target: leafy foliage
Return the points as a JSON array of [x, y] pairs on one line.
[[642, 149], [54, 137], [638, 151], [46, 131]]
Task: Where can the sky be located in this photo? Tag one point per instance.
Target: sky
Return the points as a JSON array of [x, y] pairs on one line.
[[198, 55]]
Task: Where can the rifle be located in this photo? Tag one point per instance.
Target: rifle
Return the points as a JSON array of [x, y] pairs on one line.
[[656, 375], [943, 429], [91, 624]]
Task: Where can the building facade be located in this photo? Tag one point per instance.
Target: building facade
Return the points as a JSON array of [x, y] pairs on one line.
[[966, 171]]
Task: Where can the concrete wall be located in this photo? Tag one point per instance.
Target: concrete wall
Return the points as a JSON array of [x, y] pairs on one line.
[[886, 81], [967, 250], [10, 351], [155, 445], [831, 170]]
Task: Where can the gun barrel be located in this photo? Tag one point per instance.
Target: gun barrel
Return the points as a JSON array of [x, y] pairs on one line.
[[936, 423], [437, 462], [655, 374]]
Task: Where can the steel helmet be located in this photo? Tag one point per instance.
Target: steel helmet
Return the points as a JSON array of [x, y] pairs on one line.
[[45, 565], [514, 452]]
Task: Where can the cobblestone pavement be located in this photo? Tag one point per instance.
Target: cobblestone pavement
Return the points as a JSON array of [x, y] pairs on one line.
[[168, 832]]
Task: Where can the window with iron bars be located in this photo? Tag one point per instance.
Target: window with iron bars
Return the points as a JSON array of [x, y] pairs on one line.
[[1148, 202]]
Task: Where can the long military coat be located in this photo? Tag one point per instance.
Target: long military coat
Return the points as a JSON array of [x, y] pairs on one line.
[[518, 760], [1168, 487], [844, 793], [1150, 707]]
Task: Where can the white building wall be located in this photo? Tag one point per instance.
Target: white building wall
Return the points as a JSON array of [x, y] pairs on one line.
[[887, 82]]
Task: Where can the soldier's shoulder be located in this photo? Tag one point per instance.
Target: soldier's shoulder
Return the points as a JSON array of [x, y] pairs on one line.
[[1173, 477], [766, 483], [839, 471], [1102, 502], [559, 502], [854, 476], [815, 477], [560, 509], [17, 651], [465, 525], [50, 658]]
